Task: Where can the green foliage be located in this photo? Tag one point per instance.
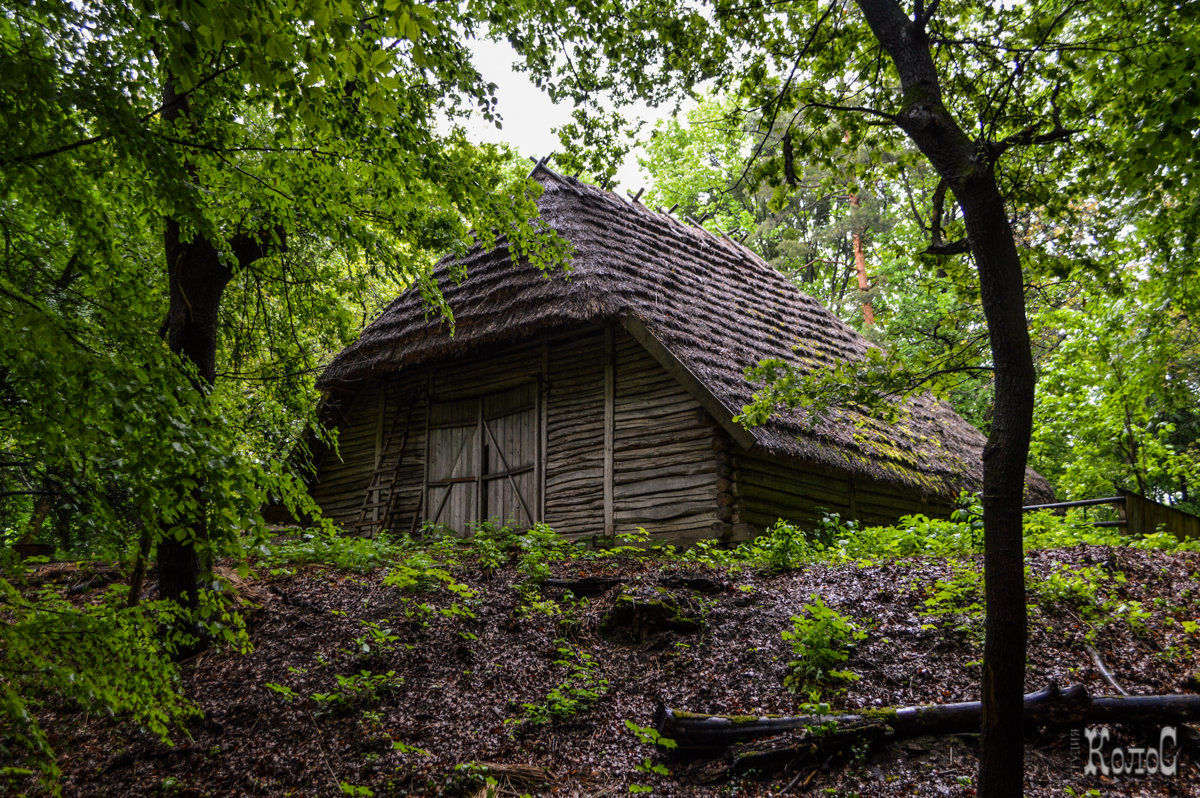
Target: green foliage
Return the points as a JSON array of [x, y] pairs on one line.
[[648, 766], [822, 640], [958, 601], [331, 548], [362, 689], [650, 736], [1093, 594], [103, 658], [582, 687], [376, 639], [1076, 589], [1119, 393], [785, 548]]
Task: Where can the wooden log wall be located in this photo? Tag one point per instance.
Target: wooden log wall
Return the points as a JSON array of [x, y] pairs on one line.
[[624, 445], [342, 476], [765, 489], [1145, 516], [394, 407], [666, 451], [574, 435], [406, 457]]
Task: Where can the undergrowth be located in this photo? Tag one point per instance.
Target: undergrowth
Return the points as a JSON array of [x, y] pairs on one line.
[[438, 574]]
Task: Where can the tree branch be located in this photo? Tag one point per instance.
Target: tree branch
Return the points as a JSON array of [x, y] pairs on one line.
[[960, 247]]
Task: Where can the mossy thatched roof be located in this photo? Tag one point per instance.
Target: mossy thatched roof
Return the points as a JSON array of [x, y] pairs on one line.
[[711, 305]]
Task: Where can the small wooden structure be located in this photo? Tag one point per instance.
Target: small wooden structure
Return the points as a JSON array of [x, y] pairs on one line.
[[1137, 515], [603, 399]]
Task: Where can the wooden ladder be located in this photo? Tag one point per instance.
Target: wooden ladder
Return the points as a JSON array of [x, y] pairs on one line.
[[374, 515]]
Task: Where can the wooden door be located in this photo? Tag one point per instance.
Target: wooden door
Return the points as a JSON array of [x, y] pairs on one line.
[[482, 460], [509, 457], [451, 490]]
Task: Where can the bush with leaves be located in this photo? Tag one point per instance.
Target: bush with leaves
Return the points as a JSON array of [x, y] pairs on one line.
[[102, 658], [822, 639]]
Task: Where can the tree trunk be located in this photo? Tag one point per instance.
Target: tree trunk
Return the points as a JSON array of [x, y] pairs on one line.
[[197, 282], [197, 278], [860, 267], [968, 170]]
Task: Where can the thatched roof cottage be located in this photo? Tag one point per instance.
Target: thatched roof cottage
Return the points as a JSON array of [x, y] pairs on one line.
[[603, 400]]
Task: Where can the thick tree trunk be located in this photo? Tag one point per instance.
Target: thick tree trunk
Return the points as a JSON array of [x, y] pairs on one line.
[[197, 278], [968, 170], [197, 283]]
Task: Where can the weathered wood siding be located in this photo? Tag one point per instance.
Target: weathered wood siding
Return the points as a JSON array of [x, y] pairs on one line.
[[342, 475], [575, 435], [665, 451], [619, 443], [766, 489], [395, 407]]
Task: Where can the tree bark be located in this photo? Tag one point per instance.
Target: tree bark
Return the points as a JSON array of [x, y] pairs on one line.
[[968, 170], [860, 267], [197, 277]]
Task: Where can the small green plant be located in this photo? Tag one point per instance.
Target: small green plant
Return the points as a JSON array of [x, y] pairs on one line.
[[359, 689], [376, 639], [344, 552], [354, 789], [409, 749], [958, 600], [582, 688], [821, 638], [650, 735], [648, 766], [285, 691]]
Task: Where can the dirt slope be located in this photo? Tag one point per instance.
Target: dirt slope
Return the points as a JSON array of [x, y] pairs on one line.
[[444, 689]]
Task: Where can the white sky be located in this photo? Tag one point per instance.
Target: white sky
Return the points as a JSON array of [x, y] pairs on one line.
[[528, 115]]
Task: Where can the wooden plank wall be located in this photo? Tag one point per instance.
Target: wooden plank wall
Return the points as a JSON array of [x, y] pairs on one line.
[[1145, 516], [409, 393], [575, 435], [665, 451], [342, 476], [673, 470], [766, 489]]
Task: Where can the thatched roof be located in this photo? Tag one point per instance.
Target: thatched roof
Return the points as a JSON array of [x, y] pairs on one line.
[[706, 303]]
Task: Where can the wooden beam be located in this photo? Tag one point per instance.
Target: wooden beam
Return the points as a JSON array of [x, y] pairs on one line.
[[691, 383], [379, 419]]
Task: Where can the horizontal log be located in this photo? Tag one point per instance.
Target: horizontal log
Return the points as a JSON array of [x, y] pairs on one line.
[[791, 481], [661, 512], [697, 439], [1049, 706], [700, 525], [662, 485], [769, 501], [678, 462]]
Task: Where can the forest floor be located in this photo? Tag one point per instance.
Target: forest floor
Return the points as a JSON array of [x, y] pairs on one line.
[[446, 673]]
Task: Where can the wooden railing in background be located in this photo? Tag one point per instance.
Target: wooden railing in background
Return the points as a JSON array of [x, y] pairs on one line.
[[1139, 515]]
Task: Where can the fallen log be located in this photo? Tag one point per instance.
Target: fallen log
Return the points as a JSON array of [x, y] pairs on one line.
[[586, 585], [1049, 706]]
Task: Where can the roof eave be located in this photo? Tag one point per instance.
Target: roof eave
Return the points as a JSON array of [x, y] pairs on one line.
[[691, 383]]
